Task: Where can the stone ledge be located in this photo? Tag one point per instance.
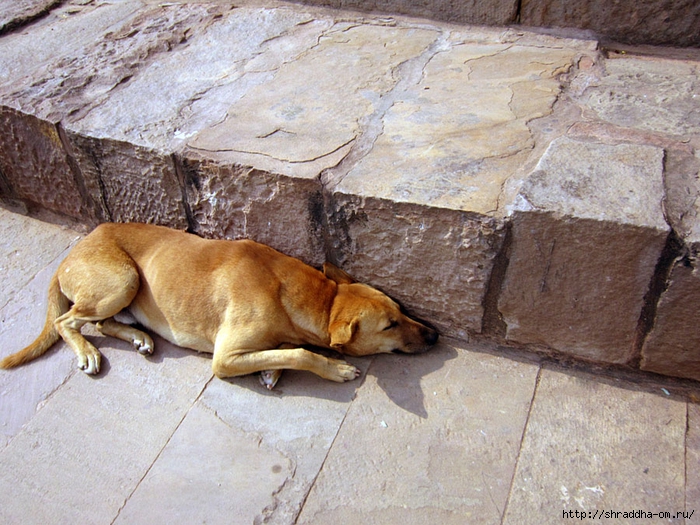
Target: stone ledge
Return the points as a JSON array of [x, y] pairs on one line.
[[418, 156], [654, 22]]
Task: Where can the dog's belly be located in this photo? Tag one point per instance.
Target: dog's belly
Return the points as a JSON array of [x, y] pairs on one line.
[[172, 334]]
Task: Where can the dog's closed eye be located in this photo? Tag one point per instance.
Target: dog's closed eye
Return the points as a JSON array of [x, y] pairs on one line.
[[392, 324]]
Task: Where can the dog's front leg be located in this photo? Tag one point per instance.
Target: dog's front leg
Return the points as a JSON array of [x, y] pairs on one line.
[[236, 362]]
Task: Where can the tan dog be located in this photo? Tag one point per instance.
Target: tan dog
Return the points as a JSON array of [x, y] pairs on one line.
[[249, 305]]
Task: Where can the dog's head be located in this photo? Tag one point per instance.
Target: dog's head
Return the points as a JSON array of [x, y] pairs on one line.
[[365, 321]]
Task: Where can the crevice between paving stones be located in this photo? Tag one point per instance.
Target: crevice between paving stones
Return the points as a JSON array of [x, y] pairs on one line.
[[160, 452], [335, 437], [536, 387], [186, 177]]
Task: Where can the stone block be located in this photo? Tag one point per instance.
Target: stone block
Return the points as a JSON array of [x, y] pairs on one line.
[[418, 214], [131, 183], [35, 167], [656, 22], [436, 262], [593, 445], [232, 201], [587, 231], [492, 12]]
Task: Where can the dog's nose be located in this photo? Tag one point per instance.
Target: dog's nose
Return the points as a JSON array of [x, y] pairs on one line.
[[431, 337]]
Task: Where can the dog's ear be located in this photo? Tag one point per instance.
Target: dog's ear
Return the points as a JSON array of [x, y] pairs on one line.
[[336, 274], [342, 333]]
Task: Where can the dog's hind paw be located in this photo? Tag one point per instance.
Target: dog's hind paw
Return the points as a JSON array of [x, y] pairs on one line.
[[269, 378], [90, 363]]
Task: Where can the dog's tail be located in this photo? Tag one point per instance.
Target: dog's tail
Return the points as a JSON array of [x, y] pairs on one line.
[[57, 305]]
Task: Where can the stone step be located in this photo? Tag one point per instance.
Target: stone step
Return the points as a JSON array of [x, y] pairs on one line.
[[535, 189]]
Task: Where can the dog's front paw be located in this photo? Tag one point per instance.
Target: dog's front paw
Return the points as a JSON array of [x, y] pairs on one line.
[[90, 362], [269, 378], [343, 371]]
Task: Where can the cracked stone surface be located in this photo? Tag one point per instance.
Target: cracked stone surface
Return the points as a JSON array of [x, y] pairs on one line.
[[457, 156]]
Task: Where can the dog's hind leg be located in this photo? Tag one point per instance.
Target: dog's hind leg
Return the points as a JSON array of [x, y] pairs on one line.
[[141, 341], [100, 283]]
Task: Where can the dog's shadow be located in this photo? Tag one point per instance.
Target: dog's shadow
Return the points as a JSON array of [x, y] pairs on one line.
[[401, 377], [398, 376]]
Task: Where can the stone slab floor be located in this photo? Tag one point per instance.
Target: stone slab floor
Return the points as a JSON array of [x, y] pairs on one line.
[[469, 433]]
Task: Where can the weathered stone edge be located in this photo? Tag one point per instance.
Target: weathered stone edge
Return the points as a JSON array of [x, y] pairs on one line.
[[325, 240]]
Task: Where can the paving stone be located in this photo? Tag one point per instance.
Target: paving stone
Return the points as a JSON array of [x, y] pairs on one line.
[[82, 455], [429, 437], [588, 230], [26, 247], [208, 473], [30, 252], [692, 459], [593, 445], [298, 420]]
